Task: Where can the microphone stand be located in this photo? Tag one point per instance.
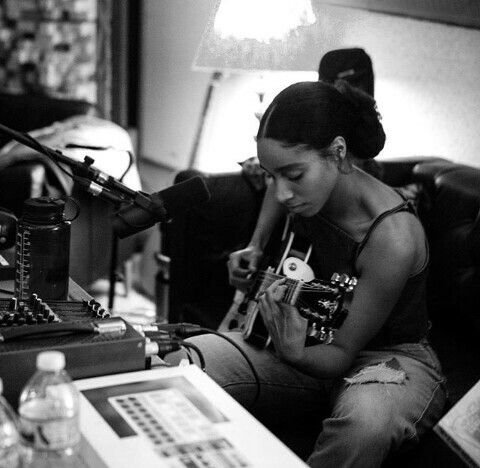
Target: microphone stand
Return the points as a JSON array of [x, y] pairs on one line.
[[97, 183]]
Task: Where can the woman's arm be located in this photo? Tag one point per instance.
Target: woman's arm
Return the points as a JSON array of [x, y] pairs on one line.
[[245, 261], [384, 266]]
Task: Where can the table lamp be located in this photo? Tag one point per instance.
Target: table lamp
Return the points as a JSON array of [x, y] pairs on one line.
[[255, 36]]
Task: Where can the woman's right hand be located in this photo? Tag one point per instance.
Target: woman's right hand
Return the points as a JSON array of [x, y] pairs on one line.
[[241, 266]]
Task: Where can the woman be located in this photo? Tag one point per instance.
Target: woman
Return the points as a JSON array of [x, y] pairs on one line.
[[380, 377]]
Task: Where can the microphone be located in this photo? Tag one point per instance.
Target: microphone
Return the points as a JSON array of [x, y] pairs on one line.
[[163, 206]]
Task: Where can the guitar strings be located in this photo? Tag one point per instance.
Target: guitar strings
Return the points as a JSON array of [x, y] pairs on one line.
[[265, 274], [306, 289], [293, 283], [268, 277]]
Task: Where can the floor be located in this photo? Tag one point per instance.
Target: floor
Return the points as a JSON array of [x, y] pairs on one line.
[[130, 302]]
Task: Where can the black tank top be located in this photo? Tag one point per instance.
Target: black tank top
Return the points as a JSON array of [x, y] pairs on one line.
[[334, 250]]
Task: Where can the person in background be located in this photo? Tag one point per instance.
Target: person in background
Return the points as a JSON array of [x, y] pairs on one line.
[[354, 66], [379, 381]]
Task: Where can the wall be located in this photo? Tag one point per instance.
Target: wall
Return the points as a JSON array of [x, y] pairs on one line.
[[426, 86], [171, 95], [57, 48]]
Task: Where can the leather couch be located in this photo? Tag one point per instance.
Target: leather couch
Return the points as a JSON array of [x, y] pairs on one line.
[[448, 200]]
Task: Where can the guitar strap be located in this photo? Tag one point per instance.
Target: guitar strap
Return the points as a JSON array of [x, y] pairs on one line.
[[302, 248]]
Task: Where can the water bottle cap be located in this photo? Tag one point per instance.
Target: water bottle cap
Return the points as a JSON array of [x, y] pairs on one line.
[[50, 361], [43, 210]]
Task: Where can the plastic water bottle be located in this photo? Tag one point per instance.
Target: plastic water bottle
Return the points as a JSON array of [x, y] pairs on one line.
[[48, 409], [10, 449]]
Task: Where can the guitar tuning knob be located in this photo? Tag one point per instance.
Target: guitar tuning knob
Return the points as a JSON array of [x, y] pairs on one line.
[[335, 278], [352, 282], [344, 280]]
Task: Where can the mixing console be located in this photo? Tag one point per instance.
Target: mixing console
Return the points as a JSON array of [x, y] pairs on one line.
[[14, 312]]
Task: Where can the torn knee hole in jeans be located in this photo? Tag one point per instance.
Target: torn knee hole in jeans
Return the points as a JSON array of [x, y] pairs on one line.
[[384, 372]]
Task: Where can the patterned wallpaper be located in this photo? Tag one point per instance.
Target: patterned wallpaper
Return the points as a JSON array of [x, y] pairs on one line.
[[53, 47]]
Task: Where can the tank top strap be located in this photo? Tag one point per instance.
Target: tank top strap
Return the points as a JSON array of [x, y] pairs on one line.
[[406, 205]]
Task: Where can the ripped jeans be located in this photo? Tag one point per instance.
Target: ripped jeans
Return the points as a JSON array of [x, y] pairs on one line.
[[386, 401]]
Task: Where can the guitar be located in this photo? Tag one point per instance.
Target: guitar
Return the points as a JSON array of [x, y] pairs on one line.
[[319, 301]]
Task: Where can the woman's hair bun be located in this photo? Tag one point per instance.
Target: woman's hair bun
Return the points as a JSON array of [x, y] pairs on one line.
[[315, 112], [367, 136]]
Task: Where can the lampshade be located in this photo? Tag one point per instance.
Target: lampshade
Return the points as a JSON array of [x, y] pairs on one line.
[[259, 35]]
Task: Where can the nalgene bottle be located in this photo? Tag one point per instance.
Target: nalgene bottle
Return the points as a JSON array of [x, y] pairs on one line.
[[42, 250]]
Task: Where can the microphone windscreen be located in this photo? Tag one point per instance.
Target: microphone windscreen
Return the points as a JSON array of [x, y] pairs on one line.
[[182, 196], [165, 205]]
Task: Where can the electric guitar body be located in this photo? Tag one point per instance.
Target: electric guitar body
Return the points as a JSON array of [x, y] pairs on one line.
[[319, 301]]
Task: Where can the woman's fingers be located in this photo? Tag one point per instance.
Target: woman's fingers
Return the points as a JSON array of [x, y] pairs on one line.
[[265, 311], [276, 291], [269, 300], [238, 276]]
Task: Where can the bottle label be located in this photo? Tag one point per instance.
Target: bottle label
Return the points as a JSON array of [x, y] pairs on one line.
[[54, 434], [45, 425]]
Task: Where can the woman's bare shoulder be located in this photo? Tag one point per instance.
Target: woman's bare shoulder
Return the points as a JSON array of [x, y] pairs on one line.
[[397, 240]]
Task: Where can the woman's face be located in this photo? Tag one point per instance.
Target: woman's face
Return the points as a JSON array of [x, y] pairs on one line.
[[303, 180]]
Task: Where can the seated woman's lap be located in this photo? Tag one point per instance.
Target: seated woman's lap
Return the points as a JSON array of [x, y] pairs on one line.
[[396, 401]]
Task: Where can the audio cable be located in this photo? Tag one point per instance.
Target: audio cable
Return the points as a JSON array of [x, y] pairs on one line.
[[189, 346], [160, 346], [187, 330], [164, 344]]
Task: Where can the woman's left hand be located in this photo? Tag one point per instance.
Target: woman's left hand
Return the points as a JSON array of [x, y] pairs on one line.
[[286, 326]]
